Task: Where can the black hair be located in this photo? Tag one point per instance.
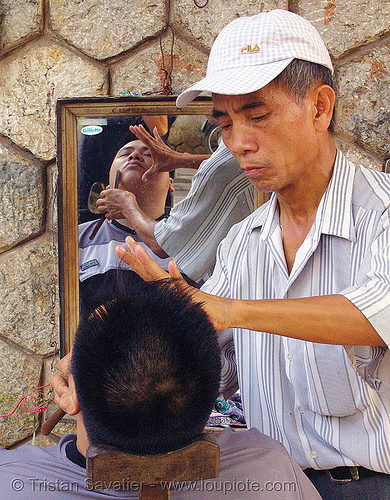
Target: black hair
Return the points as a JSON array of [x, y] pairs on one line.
[[300, 76], [146, 367]]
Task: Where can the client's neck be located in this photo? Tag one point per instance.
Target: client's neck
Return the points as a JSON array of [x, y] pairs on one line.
[[82, 441]]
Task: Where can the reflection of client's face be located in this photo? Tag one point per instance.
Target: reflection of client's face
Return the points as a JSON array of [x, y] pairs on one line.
[[133, 159]]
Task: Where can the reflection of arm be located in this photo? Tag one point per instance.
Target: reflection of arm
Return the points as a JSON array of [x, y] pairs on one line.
[[143, 225], [158, 121], [121, 204], [187, 160]]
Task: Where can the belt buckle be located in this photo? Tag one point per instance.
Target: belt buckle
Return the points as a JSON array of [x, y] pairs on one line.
[[354, 471]]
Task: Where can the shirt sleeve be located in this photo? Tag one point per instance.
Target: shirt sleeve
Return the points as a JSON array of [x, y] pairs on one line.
[[371, 294], [220, 196]]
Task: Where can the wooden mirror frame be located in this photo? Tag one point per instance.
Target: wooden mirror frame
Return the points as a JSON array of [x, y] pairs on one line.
[[68, 113]]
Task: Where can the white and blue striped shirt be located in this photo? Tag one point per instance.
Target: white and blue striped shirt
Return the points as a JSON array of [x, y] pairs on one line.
[[327, 404]]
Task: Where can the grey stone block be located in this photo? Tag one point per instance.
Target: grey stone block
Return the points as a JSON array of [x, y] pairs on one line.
[[22, 196], [205, 24], [19, 20], [347, 25], [31, 80], [105, 28], [28, 282], [364, 107], [19, 375]]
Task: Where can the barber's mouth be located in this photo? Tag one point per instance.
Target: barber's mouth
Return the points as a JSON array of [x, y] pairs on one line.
[[253, 171]]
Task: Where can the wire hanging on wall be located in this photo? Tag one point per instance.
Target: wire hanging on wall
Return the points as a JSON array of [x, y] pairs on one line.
[[167, 82]]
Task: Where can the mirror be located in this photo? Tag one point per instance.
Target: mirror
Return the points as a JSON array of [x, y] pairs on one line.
[[79, 119]]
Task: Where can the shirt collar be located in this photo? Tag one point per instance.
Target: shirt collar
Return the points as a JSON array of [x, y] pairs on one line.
[[334, 214]]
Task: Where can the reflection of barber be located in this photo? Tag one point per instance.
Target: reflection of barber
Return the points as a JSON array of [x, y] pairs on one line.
[[220, 196], [95, 152], [97, 256]]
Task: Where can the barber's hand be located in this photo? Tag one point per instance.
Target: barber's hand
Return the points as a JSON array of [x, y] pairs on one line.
[[64, 395], [140, 262], [164, 158], [116, 203]]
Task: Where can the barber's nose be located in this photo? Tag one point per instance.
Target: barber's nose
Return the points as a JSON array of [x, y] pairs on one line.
[[241, 141]]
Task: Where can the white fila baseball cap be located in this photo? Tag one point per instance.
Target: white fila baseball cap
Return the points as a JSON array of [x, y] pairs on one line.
[[251, 51]]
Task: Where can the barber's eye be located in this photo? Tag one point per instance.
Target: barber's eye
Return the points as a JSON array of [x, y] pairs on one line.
[[226, 128]]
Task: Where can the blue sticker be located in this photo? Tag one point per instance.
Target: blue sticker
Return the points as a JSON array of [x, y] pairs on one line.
[[92, 130]]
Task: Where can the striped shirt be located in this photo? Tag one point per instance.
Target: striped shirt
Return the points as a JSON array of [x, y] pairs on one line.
[[220, 196], [327, 404], [98, 256]]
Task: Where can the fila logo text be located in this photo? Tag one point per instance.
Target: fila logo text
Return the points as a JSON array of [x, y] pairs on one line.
[[248, 49]]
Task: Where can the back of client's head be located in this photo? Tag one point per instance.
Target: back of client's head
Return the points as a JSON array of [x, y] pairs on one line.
[[146, 367]]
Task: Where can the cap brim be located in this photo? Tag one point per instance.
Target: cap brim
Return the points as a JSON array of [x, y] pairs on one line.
[[235, 81]]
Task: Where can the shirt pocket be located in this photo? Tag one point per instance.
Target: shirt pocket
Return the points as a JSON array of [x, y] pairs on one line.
[[327, 383]]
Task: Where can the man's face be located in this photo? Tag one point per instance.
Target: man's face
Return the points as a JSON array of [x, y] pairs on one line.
[[133, 159], [271, 136]]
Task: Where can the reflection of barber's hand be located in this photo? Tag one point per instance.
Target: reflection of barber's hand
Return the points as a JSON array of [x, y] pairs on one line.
[[138, 259], [116, 203], [164, 158]]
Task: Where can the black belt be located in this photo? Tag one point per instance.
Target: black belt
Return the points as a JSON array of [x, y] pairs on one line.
[[343, 474]]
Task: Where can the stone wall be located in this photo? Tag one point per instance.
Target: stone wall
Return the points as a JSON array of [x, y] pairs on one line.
[[57, 48]]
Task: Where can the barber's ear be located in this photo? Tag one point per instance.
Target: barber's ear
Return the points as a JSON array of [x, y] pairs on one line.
[[324, 99], [68, 401], [171, 189]]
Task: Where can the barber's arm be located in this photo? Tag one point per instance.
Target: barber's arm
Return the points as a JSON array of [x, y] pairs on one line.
[[330, 319], [165, 159]]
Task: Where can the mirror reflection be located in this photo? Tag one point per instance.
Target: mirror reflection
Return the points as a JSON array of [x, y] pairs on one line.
[[102, 164], [111, 164]]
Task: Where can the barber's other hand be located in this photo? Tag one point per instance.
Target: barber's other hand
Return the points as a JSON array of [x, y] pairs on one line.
[[164, 158], [137, 258], [62, 383]]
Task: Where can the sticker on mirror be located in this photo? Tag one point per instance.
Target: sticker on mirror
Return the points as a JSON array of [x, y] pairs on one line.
[[92, 130]]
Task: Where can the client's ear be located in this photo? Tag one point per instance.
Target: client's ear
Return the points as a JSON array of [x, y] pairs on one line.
[[68, 401]]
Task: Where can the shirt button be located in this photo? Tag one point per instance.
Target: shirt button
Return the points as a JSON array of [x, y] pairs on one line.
[[313, 454], [289, 357]]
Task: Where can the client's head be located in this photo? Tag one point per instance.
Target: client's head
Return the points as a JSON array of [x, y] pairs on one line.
[[146, 367], [132, 160]]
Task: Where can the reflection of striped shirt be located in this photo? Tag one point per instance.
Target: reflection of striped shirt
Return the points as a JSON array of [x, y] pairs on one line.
[[220, 196], [98, 256], [328, 405]]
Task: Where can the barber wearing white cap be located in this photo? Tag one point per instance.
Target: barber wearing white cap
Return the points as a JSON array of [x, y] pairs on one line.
[[313, 264]]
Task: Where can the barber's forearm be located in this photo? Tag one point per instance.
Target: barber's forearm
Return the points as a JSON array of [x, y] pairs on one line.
[[189, 160], [185, 160], [144, 227], [330, 319]]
